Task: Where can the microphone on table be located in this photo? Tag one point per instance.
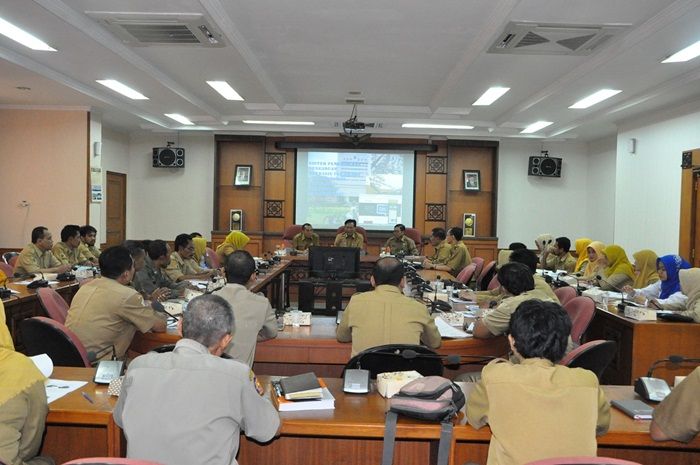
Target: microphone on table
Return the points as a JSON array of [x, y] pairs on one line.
[[159, 307], [577, 277], [5, 293], [675, 359], [37, 283], [621, 305]]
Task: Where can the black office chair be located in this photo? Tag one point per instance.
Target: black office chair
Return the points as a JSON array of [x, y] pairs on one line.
[[397, 357], [42, 335], [594, 356]]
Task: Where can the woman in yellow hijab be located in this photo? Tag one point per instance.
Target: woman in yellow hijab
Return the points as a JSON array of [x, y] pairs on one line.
[[23, 406], [645, 265], [236, 240], [200, 251], [618, 271], [581, 246], [594, 251]]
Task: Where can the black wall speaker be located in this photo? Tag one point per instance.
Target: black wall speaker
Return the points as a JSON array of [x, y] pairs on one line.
[[168, 157], [687, 160], [548, 167]]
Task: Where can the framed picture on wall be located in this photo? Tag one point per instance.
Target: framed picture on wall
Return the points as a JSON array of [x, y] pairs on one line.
[[472, 180], [469, 225], [243, 176]]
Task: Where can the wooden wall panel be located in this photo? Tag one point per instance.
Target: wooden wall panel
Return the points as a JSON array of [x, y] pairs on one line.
[[249, 199]]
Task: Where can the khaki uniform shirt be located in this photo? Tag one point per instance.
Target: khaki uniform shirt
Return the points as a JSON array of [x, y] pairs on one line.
[[188, 407], [678, 415], [497, 293], [179, 266], [254, 320], [68, 256], [357, 240], [301, 242], [104, 312], [497, 321], [442, 253], [538, 410], [386, 316], [405, 245], [90, 250], [32, 259], [458, 258], [22, 420], [565, 262], [149, 279]]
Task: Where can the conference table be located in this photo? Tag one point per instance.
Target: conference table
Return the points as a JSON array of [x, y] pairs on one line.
[[351, 434]]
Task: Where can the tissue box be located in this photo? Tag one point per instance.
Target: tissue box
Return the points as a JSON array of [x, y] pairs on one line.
[[390, 383]]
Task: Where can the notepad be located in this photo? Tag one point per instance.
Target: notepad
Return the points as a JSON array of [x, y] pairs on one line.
[[448, 331], [301, 387], [634, 408]]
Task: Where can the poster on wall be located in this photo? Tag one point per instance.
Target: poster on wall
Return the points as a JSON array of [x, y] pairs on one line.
[[96, 184]]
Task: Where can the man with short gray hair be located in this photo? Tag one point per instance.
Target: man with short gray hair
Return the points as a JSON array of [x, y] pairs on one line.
[[187, 407]]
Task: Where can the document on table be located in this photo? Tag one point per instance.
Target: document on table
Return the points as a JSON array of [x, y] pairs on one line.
[[57, 388], [449, 331]]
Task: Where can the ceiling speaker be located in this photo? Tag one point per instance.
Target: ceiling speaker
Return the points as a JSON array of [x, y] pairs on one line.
[[168, 157], [547, 167]]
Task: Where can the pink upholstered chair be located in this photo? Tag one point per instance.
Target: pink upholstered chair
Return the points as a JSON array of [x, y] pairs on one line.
[[494, 283], [581, 310], [483, 280], [7, 269], [359, 229], [565, 294], [594, 356], [582, 461], [53, 304], [7, 256], [110, 461], [289, 234], [414, 234], [13, 261], [467, 273], [479, 262]]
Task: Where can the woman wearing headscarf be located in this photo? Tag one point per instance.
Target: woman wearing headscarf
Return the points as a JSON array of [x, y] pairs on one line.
[[543, 242], [645, 267], [200, 252], [581, 246], [236, 240], [594, 251], [690, 286], [23, 406], [618, 271], [665, 293]]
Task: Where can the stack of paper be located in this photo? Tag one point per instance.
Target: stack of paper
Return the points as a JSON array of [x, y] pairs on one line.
[[314, 398]]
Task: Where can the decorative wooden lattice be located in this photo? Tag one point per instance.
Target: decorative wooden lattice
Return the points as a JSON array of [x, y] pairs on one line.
[[274, 161], [274, 209], [437, 165], [436, 212]]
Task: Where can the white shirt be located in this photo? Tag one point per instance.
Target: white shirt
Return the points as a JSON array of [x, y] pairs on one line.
[[653, 291]]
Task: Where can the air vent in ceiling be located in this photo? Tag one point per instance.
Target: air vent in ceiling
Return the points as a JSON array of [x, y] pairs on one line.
[[145, 29], [554, 39], [355, 100]]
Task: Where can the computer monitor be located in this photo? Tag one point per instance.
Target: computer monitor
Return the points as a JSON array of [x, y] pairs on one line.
[[334, 262]]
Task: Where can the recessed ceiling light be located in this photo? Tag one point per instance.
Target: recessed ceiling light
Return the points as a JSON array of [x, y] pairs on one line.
[[179, 118], [594, 98], [291, 123], [435, 126], [225, 89], [686, 54], [490, 96], [125, 90], [21, 36], [534, 127]]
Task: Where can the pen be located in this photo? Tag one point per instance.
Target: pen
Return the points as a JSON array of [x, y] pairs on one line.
[[87, 397]]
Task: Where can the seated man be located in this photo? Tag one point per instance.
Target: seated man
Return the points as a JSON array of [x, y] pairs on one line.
[[677, 417], [209, 399], [458, 256], [305, 239], [153, 275], [68, 251], [106, 312], [557, 256], [518, 285], [399, 243], [255, 318], [442, 248], [350, 237], [385, 315], [537, 409], [37, 257], [88, 237], [23, 406], [182, 264]]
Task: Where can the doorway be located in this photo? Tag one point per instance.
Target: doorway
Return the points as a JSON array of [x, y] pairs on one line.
[[116, 208]]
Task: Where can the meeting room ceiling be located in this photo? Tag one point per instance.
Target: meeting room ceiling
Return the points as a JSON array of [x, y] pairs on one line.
[[407, 61]]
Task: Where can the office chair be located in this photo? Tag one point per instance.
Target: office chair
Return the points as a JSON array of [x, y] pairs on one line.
[[53, 304], [494, 283], [289, 234], [384, 358], [581, 311], [582, 461], [564, 294], [479, 262], [359, 229], [42, 335], [594, 356], [13, 261], [7, 256], [466, 274], [487, 273], [415, 234], [7, 269], [110, 461]]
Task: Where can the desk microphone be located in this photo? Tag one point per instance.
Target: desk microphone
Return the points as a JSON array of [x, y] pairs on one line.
[[621, 305], [5, 293], [158, 307], [674, 359], [577, 277], [37, 283]]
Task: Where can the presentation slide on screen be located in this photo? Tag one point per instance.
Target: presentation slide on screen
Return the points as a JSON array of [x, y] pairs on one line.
[[374, 188]]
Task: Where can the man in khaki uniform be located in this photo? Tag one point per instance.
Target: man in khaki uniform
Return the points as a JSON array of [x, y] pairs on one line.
[[88, 237], [350, 237], [557, 256], [537, 409], [37, 257], [255, 318], [458, 257], [442, 248], [400, 243], [106, 312], [385, 315], [677, 417], [306, 238], [182, 264], [153, 278], [68, 251]]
